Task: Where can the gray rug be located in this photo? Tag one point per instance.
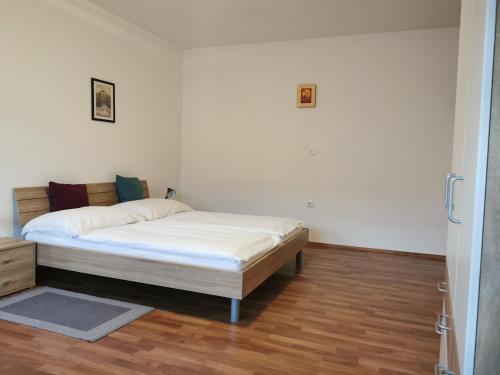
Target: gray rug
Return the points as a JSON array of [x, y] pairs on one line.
[[71, 314]]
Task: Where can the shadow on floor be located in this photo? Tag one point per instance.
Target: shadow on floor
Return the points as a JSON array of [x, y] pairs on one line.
[[174, 300]]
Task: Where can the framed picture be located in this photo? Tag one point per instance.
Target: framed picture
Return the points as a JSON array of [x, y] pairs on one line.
[[306, 95], [103, 100]]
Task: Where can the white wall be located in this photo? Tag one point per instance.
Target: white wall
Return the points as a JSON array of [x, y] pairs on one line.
[[382, 129], [49, 51]]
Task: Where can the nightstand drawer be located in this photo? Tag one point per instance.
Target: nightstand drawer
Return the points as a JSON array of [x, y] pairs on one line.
[[16, 279], [21, 256], [17, 265]]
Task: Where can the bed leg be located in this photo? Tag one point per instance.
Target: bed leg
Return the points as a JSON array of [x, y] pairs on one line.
[[235, 310], [298, 259]]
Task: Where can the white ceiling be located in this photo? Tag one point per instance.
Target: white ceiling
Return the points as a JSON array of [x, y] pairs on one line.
[[204, 23]]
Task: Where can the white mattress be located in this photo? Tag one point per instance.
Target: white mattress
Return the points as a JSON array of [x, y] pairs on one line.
[[222, 241], [138, 253]]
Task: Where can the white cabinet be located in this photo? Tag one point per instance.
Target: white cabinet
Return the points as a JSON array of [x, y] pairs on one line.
[[477, 34]]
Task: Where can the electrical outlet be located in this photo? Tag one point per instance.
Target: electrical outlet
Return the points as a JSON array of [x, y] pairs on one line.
[[310, 204], [313, 151]]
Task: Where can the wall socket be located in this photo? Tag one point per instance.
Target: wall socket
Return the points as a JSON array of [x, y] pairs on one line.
[[310, 204], [313, 152]]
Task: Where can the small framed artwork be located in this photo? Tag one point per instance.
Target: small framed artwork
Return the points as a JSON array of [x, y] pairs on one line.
[[306, 95], [103, 100]]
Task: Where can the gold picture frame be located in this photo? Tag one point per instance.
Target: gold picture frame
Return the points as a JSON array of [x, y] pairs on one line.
[[306, 95]]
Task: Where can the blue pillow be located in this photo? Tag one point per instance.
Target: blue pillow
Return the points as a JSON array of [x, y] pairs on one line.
[[129, 188]]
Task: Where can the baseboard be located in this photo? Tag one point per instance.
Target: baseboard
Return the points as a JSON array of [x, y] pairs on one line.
[[320, 245]]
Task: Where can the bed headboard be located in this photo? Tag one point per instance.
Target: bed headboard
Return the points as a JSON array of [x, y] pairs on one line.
[[32, 202]]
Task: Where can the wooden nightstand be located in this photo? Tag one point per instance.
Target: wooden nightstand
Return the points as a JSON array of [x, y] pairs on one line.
[[17, 265]]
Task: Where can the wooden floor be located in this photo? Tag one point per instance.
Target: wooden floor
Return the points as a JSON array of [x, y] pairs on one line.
[[346, 312]]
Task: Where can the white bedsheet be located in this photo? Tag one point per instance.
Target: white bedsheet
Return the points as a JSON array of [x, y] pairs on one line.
[[274, 226], [190, 240], [216, 240]]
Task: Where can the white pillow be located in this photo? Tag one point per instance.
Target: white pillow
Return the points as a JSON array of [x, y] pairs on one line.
[[153, 208], [78, 221]]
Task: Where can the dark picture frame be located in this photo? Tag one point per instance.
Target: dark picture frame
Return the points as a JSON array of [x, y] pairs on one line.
[[103, 100]]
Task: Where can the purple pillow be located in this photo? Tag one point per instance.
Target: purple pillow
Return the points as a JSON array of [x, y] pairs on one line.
[[66, 196]]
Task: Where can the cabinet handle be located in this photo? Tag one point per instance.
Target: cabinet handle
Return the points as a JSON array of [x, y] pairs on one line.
[[441, 286], [442, 326], [439, 368], [447, 188], [450, 199], [438, 329]]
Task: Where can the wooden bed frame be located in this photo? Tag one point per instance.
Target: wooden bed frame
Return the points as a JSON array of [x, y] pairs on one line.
[[33, 202]]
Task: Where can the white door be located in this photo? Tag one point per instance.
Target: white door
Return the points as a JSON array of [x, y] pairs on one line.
[[470, 147]]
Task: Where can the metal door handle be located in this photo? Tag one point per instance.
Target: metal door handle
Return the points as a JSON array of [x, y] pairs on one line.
[[437, 329], [441, 286], [441, 318], [450, 199], [447, 188], [439, 368]]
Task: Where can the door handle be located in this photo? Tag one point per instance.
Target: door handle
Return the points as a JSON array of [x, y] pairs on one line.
[[447, 188], [450, 199], [439, 327], [442, 287], [439, 368], [443, 326]]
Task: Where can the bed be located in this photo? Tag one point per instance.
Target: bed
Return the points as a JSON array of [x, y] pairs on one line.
[[208, 276]]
